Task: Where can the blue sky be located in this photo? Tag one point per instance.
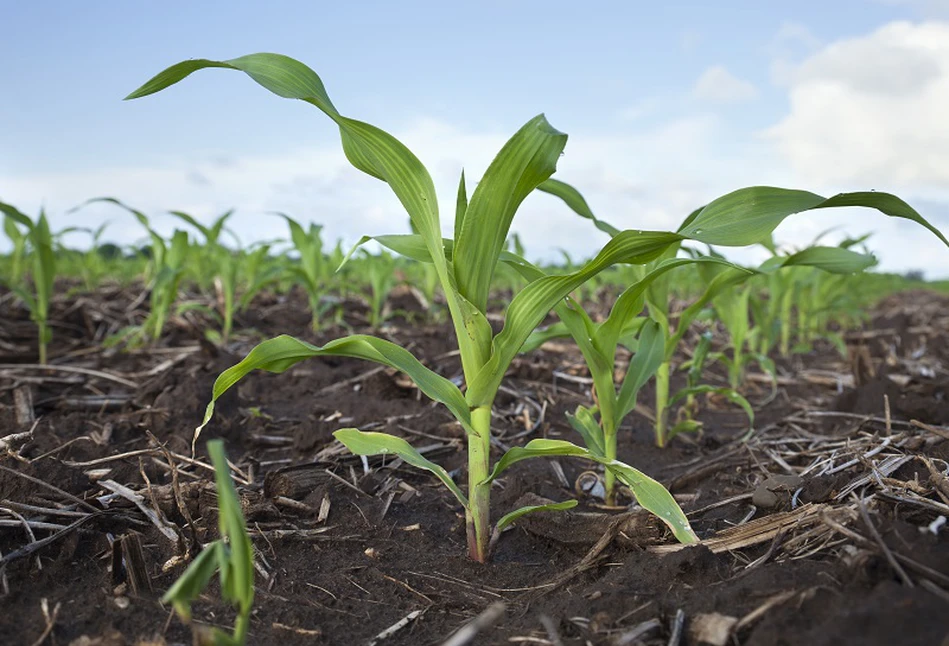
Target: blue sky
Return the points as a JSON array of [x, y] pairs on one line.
[[666, 106]]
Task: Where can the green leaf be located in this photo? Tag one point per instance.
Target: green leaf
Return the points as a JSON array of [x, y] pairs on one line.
[[195, 579], [651, 495], [685, 426], [282, 352], [629, 303], [526, 160], [573, 199], [649, 356], [461, 205], [655, 498], [535, 449], [721, 282], [237, 573], [835, 260], [540, 336], [509, 519], [370, 149], [730, 394], [749, 215], [363, 443], [15, 215], [584, 423]]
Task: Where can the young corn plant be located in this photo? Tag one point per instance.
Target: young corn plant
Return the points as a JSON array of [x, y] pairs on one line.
[[381, 274], [208, 263], [17, 258], [257, 271], [165, 267], [598, 343], [742, 218], [231, 557], [217, 265], [42, 265], [313, 271], [466, 265]]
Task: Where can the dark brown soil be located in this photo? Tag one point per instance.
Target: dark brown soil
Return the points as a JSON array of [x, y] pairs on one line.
[[392, 546]]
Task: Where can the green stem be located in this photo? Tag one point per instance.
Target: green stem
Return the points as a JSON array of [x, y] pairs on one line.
[[42, 344], [609, 446], [478, 516], [662, 402], [241, 626]]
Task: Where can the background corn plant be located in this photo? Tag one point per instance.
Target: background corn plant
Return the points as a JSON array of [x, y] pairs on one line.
[[42, 264]]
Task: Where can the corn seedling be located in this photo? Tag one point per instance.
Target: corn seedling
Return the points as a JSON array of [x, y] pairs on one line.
[[466, 265], [381, 273], [741, 218], [17, 259], [165, 268], [42, 265], [313, 271], [231, 557]]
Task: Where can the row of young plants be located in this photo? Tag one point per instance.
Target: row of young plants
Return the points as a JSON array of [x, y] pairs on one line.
[[650, 266], [194, 270]]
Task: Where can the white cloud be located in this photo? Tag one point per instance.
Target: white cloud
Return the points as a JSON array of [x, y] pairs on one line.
[[718, 85], [871, 112]]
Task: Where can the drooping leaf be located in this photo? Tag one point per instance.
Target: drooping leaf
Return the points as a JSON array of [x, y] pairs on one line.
[[650, 494], [749, 215], [575, 200], [282, 352], [730, 394], [368, 148], [510, 518], [364, 443]]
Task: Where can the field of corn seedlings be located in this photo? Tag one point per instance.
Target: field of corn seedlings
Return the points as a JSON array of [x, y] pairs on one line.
[[428, 440]]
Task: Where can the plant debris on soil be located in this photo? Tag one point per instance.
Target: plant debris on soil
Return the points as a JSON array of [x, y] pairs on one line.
[[826, 525]]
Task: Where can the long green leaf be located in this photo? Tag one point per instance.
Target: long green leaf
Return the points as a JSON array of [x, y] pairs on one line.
[[649, 493], [649, 355], [575, 200], [369, 149], [363, 443], [749, 215], [237, 575], [835, 260], [282, 352], [526, 160], [510, 518]]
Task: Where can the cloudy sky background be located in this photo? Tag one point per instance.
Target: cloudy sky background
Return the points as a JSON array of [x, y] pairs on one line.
[[666, 106]]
